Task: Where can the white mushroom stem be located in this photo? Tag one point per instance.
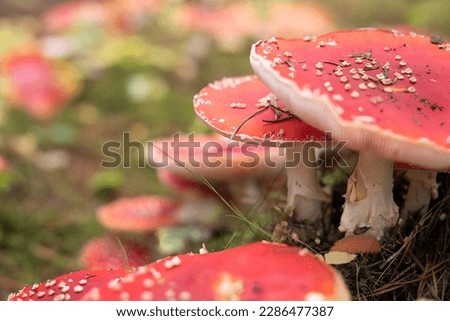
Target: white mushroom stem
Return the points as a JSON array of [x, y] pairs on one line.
[[422, 188], [246, 192], [305, 195], [369, 202]]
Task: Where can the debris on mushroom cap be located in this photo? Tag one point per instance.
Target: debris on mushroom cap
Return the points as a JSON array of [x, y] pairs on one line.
[[355, 244], [212, 157], [241, 273], [138, 214], [37, 84], [367, 87], [68, 287], [243, 108], [109, 252]]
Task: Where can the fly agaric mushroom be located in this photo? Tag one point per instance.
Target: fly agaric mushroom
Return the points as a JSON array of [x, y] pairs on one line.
[[304, 18], [68, 287], [138, 214], [130, 15], [243, 108], [109, 252], [66, 15], [37, 84], [5, 173], [214, 159], [4, 164], [148, 213], [215, 21], [196, 196], [384, 93], [258, 271], [182, 184]]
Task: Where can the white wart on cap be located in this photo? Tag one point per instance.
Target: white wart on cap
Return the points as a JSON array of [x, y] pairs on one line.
[[68, 287]]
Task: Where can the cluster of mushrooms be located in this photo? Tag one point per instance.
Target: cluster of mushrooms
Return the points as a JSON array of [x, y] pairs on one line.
[[382, 94], [386, 98]]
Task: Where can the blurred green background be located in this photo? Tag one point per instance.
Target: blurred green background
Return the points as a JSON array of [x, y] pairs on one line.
[[133, 68]]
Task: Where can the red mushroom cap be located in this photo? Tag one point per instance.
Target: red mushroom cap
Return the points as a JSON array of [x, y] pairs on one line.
[[181, 183], [304, 18], [109, 252], [68, 287], [138, 214], [128, 15], [385, 92], [258, 271], [4, 164], [216, 21], [65, 15], [243, 107], [37, 84], [213, 158]]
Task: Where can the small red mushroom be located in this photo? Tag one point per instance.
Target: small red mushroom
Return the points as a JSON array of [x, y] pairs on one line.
[[383, 92], [41, 86], [215, 21], [217, 160], [212, 157], [182, 184], [129, 15], [4, 164], [150, 212], [139, 214], [305, 18], [243, 108], [199, 202], [109, 252], [258, 271], [68, 287], [5, 173], [66, 15]]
